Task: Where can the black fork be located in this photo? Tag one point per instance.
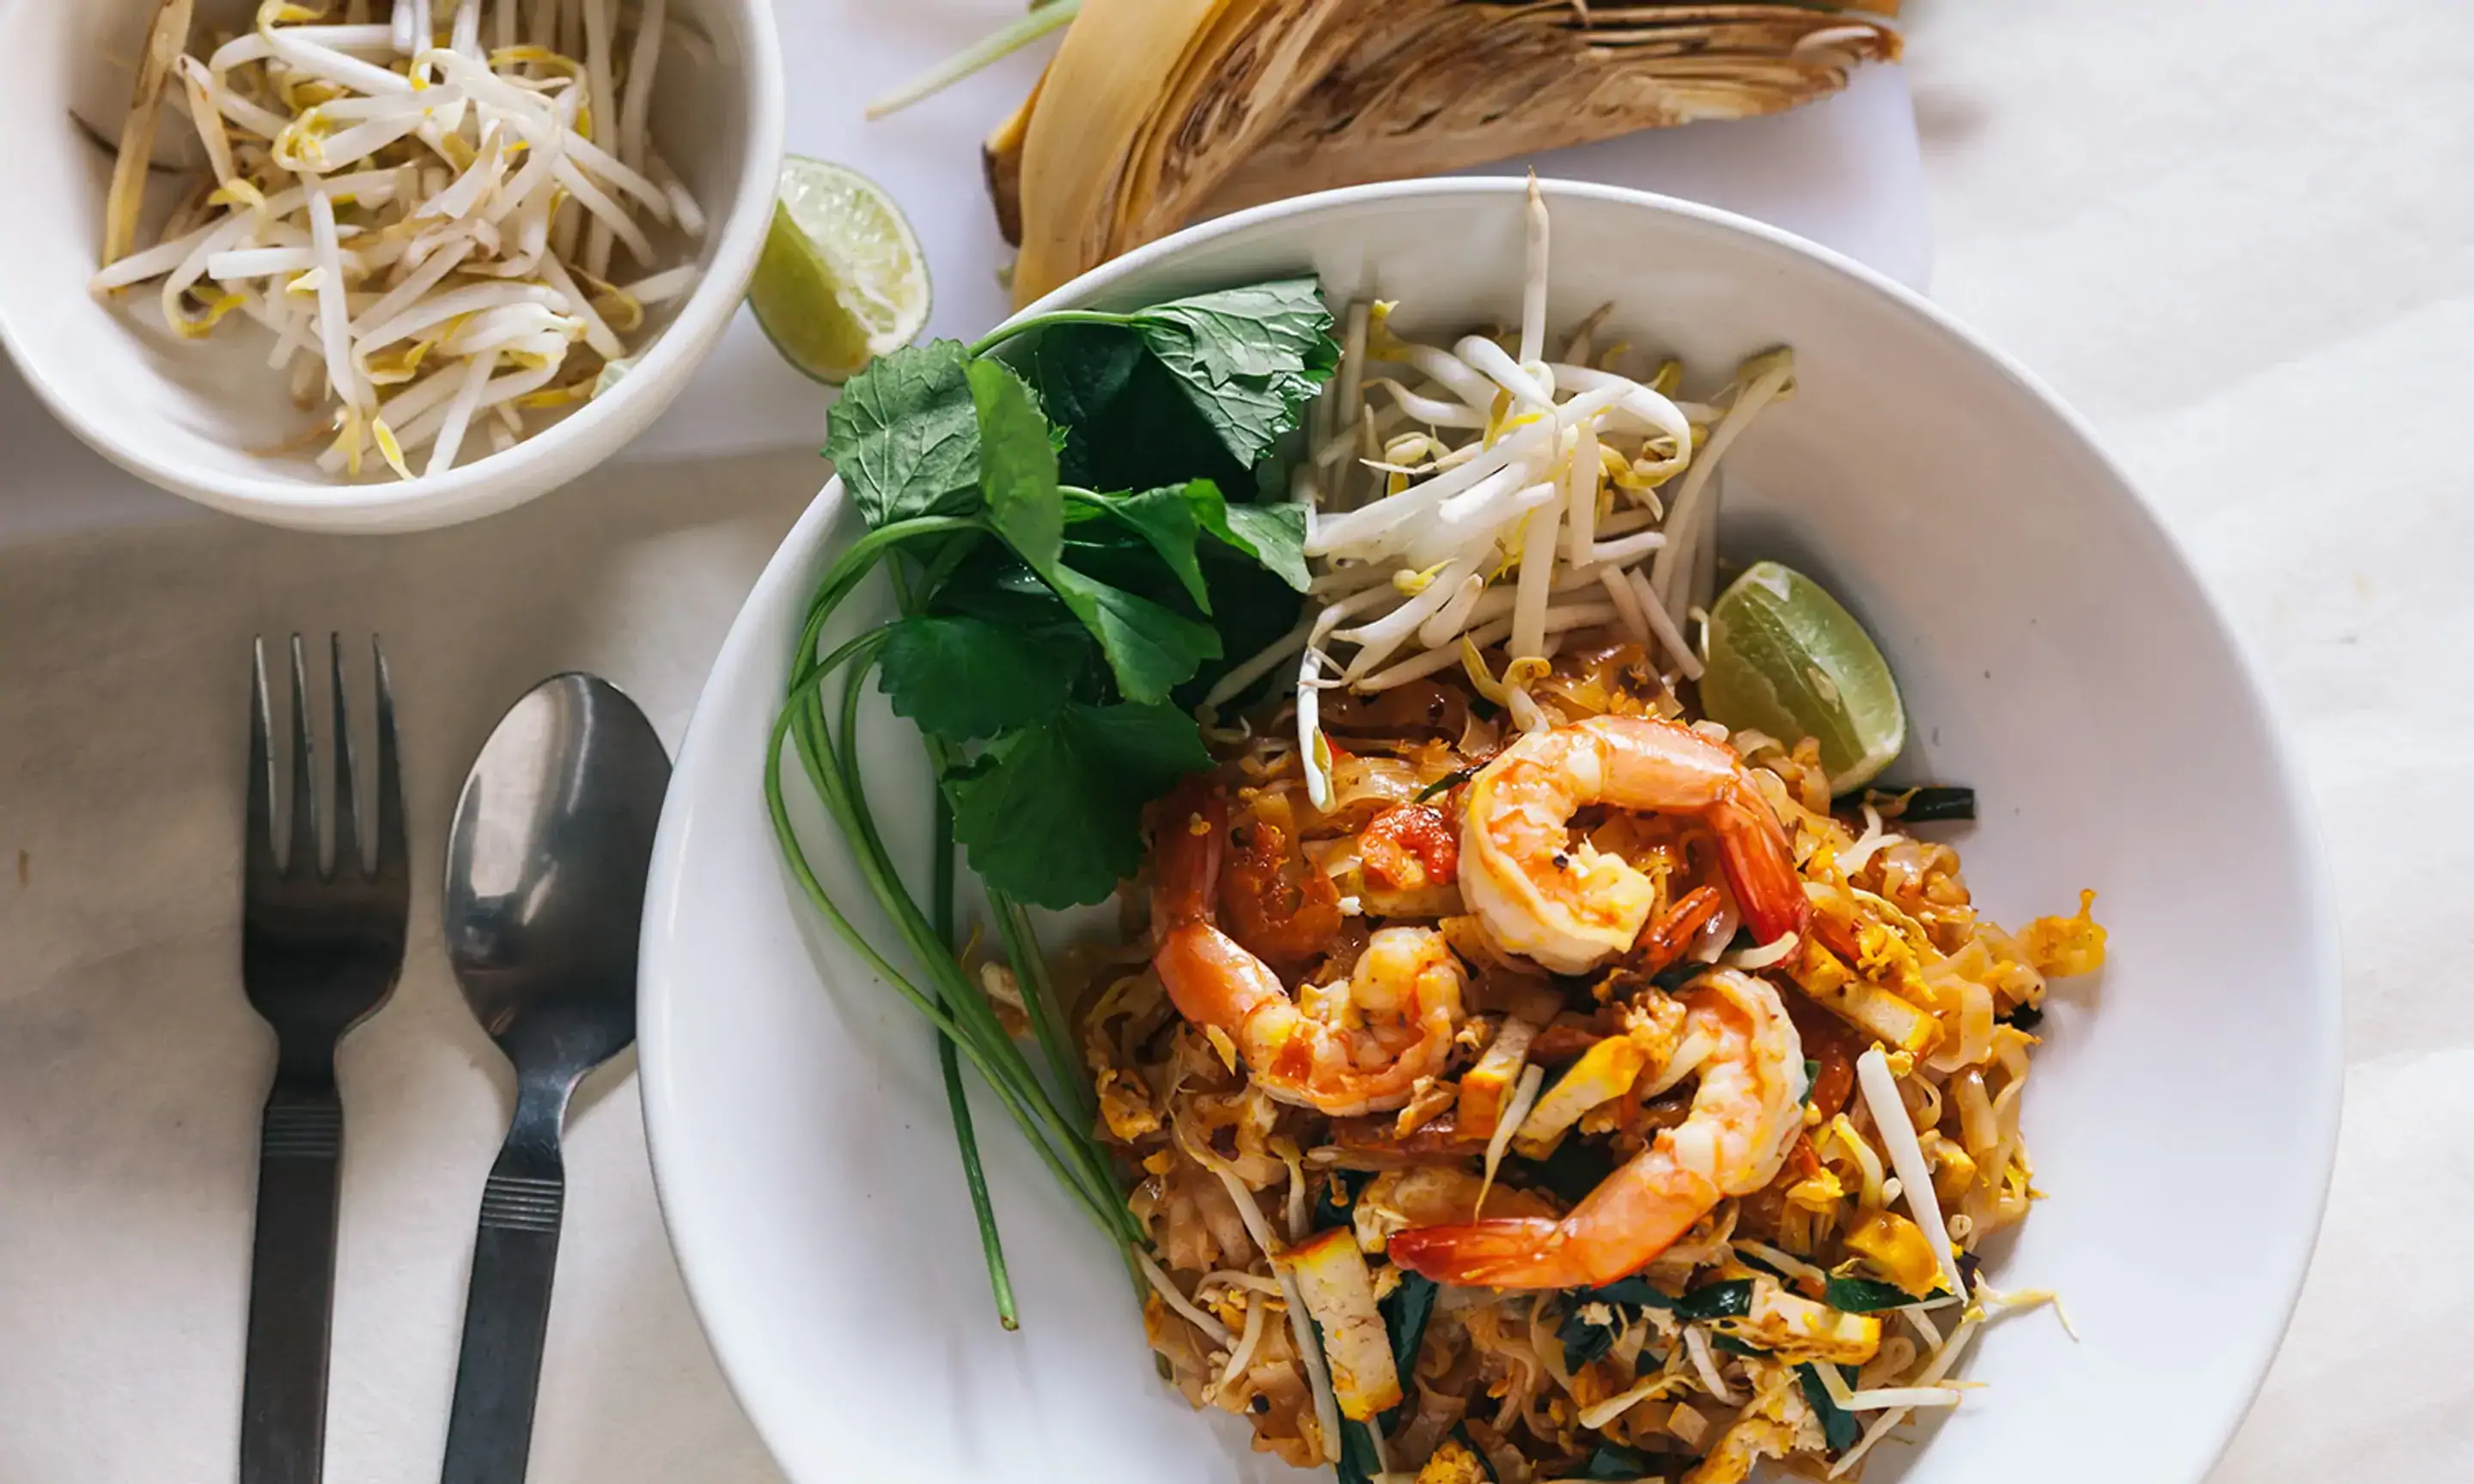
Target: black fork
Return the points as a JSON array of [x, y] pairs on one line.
[[320, 950]]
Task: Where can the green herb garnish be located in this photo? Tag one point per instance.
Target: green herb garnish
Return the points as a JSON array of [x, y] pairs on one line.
[[1838, 1428], [1864, 1296], [1732, 1299], [1572, 1170], [1614, 1461], [1049, 620], [1405, 1310]]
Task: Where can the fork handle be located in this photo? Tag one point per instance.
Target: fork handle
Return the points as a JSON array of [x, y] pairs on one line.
[[291, 1286], [506, 1312]]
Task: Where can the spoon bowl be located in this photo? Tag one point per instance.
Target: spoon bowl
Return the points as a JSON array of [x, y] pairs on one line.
[[545, 866]]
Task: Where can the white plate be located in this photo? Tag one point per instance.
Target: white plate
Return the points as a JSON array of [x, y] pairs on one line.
[[2055, 651]]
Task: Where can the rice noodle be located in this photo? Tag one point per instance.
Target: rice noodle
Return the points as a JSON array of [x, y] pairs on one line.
[[1184, 1307], [1300, 1328], [1697, 1344]]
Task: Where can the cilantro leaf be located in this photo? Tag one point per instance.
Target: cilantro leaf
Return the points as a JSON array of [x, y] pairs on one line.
[[1272, 535], [1255, 329], [1165, 521], [1082, 370], [1053, 813], [1151, 649], [1247, 358], [1251, 607], [1017, 466], [1128, 424], [905, 436], [961, 677]]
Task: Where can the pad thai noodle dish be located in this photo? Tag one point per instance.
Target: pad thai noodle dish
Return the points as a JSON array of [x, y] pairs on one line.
[[1536, 1042], [1527, 1076]]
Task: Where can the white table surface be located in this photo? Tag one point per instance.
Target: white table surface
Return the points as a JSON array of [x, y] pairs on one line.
[[2235, 233]]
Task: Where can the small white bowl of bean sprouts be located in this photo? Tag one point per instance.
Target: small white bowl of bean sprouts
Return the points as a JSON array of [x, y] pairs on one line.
[[386, 266]]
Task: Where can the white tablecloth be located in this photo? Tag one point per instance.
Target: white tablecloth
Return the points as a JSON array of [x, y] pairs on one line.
[[2235, 233]]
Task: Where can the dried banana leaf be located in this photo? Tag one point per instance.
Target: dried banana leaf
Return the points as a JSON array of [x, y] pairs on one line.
[[1157, 111]]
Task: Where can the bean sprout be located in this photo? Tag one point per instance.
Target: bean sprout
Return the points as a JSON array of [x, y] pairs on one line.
[[407, 210], [1516, 486]]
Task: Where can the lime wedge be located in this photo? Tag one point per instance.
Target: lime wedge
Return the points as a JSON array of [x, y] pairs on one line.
[[1786, 659], [842, 279]]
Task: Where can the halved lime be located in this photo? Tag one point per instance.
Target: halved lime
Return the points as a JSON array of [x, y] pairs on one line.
[[1786, 659], [842, 279]]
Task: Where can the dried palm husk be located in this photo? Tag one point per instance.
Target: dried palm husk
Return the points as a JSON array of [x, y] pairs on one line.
[[1157, 111]]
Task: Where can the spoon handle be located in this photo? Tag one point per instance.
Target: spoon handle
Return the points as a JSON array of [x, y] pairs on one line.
[[506, 1312]]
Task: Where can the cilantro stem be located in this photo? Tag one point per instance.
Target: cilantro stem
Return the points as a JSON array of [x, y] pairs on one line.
[[953, 1003], [863, 555], [1040, 1003], [949, 1064], [960, 1012], [1005, 332]]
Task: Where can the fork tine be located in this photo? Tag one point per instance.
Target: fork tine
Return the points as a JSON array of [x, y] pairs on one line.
[[346, 800], [304, 854], [393, 864], [262, 869]]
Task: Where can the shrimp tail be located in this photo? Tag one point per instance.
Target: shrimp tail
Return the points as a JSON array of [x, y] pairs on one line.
[[1760, 865], [1665, 941], [1193, 822], [1505, 1253]]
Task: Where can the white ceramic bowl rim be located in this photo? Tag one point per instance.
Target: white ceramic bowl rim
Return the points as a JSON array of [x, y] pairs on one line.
[[2320, 1095], [689, 333]]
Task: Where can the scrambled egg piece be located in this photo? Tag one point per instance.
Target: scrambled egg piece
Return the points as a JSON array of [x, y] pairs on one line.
[[1900, 1249], [2062, 947], [1453, 1464]]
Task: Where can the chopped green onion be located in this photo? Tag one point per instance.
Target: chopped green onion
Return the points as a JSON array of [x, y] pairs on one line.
[[1838, 1428]]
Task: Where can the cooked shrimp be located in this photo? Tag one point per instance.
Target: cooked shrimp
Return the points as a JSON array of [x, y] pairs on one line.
[[1404, 993], [1569, 907], [1665, 941], [1278, 907], [1747, 1108]]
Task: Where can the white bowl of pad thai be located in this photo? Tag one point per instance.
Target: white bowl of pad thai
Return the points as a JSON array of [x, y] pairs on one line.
[[379, 265], [1489, 1047]]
